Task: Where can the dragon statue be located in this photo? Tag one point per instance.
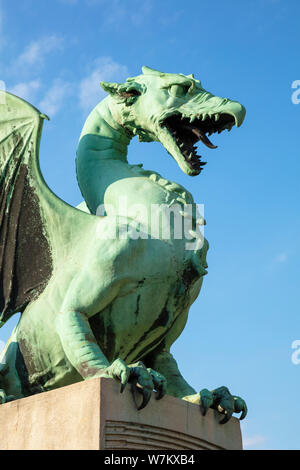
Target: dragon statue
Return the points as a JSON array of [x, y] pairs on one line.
[[91, 304]]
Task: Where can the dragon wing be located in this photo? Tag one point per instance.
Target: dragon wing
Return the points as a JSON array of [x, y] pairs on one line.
[[29, 211]]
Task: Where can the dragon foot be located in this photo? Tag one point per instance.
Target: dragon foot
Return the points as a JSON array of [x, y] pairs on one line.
[[142, 379], [221, 400], [145, 381]]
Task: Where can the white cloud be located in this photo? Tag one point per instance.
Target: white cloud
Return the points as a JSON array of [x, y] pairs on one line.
[[281, 258], [104, 69], [26, 90], [55, 96], [36, 51], [253, 441]]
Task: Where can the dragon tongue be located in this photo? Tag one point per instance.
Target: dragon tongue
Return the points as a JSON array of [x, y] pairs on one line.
[[203, 137]]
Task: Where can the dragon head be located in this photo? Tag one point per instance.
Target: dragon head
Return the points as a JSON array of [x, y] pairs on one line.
[[175, 110]]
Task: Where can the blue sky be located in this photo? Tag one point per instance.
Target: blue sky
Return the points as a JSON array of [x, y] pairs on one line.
[[242, 326]]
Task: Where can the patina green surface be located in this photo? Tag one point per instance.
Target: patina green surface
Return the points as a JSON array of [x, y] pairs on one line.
[[92, 304]]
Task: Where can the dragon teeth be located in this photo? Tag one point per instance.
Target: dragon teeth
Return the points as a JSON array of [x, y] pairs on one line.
[[217, 117]]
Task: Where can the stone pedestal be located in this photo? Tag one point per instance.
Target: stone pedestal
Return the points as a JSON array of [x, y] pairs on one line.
[[94, 415]]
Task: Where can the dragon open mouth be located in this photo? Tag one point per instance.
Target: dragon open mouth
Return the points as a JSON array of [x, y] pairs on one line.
[[188, 131]]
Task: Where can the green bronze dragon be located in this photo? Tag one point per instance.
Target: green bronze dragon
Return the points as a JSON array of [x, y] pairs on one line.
[[94, 305]]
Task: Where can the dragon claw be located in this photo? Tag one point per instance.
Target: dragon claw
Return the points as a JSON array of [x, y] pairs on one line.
[[240, 406], [221, 400], [159, 382], [146, 397], [145, 381], [227, 415], [142, 379], [206, 400]]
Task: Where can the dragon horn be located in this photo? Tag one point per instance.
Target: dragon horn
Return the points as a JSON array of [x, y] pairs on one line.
[[148, 71]]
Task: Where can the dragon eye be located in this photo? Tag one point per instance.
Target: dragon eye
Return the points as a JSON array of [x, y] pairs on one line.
[[178, 90]]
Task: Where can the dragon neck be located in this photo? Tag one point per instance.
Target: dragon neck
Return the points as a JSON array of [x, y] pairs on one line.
[[103, 172], [102, 153]]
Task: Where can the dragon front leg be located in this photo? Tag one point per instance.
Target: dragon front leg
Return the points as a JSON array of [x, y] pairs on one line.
[[83, 299], [85, 355], [80, 345], [89, 293]]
